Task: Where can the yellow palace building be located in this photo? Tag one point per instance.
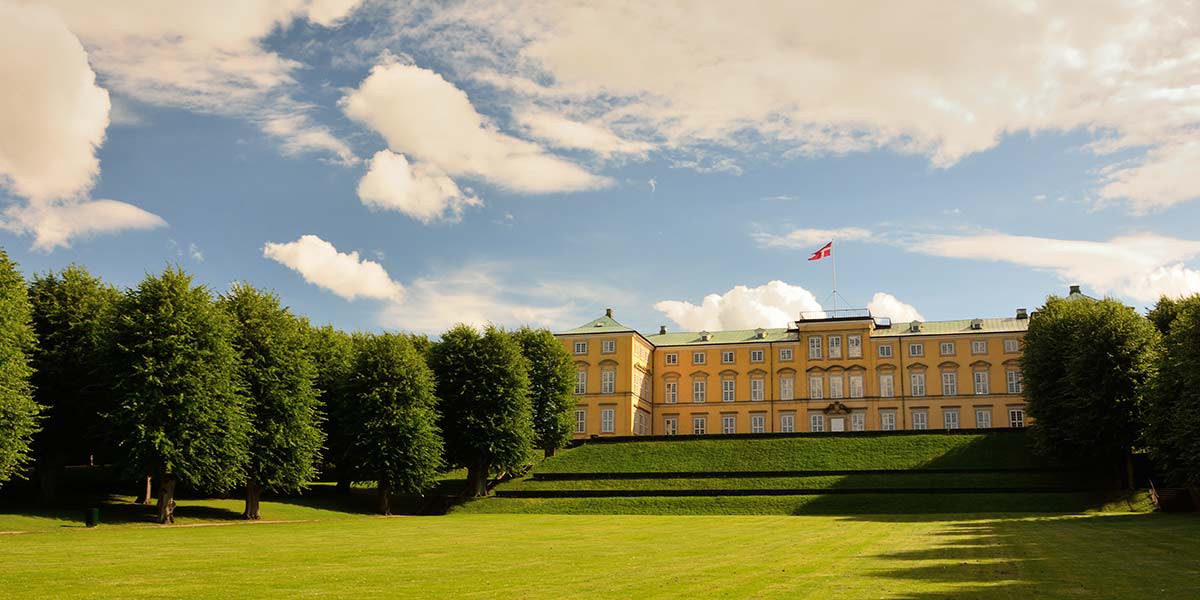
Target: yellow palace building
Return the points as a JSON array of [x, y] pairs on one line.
[[846, 371]]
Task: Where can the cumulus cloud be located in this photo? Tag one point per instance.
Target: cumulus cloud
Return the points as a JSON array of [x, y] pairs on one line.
[[819, 78], [346, 275], [418, 190], [54, 224], [774, 304], [883, 304], [803, 238], [426, 117], [1140, 266], [561, 132]]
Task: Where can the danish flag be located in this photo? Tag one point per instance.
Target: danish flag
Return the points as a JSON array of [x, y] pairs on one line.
[[823, 252]]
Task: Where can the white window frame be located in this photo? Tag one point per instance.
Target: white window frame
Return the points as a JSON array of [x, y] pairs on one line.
[[986, 421], [885, 351], [608, 381], [1015, 380], [671, 358], [858, 421], [671, 425], [815, 349], [1012, 346], [728, 424], [699, 357], [887, 385], [758, 423], [856, 385], [854, 346], [699, 391], [835, 347], [887, 420], [608, 420], [671, 391], [785, 354], [979, 347], [787, 423], [946, 349], [580, 347], [836, 387], [816, 387], [581, 420], [580, 382], [608, 346], [981, 383], [947, 421], [787, 387], [949, 383], [1016, 417], [920, 419], [699, 424], [757, 387], [757, 356], [816, 423], [728, 390], [727, 357], [916, 383], [918, 346]]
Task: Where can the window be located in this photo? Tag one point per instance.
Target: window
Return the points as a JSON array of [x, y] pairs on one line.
[[947, 349], [580, 347], [983, 418], [641, 423], [887, 420], [920, 419], [581, 381], [979, 347], [699, 424], [949, 383], [608, 346], [608, 381], [816, 388], [858, 421], [816, 423], [1011, 346], [787, 423], [835, 346], [728, 424], [918, 384], [785, 354], [814, 347], [787, 388], [727, 390], [1015, 382], [916, 349], [580, 420], [981, 382], [950, 418], [727, 357], [698, 390], [885, 351], [758, 424], [856, 385], [672, 391], [835, 386], [608, 417], [756, 389], [1016, 417], [887, 386], [672, 358], [854, 346], [756, 356], [699, 358], [670, 425]]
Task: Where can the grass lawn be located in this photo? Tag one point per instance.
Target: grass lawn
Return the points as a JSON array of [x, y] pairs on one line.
[[332, 554], [909, 479]]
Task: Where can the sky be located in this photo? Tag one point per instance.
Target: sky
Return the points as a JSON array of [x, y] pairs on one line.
[[407, 166]]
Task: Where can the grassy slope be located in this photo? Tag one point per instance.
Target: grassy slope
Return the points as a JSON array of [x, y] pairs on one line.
[[536, 556], [798, 454], [865, 480]]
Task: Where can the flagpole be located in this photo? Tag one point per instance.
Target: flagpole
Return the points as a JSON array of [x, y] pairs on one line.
[[834, 257]]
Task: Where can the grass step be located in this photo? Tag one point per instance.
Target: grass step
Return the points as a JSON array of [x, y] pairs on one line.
[[565, 476], [857, 481]]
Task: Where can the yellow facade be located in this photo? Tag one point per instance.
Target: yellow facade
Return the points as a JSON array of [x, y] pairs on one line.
[[847, 373]]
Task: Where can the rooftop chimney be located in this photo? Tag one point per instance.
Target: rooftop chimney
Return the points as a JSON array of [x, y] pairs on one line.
[[662, 330], [1022, 313], [1075, 290], [608, 312]]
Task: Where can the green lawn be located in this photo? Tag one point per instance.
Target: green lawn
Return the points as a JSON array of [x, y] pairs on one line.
[[332, 554], [910, 479], [930, 451]]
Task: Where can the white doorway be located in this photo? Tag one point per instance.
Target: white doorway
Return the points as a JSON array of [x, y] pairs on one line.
[[837, 424]]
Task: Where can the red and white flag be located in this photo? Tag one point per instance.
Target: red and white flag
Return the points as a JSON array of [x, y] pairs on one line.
[[823, 252]]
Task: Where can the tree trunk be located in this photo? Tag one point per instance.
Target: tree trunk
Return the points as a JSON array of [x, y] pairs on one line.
[[148, 492], [477, 477], [166, 499], [48, 479], [384, 492], [1127, 471], [253, 494], [343, 484], [549, 451]]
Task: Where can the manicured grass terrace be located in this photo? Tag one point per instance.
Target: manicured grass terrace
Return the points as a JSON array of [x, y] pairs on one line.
[[912, 479]]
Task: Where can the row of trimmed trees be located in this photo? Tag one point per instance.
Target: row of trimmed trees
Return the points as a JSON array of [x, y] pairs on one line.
[[1103, 381], [175, 386]]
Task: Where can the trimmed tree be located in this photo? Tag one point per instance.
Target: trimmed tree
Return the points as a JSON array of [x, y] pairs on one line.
[[483, 385], [285, 418], [180, 410], [396, 442], [1173, 409], [1086, 366], [18, 411], [72, 312], [551, 387], [332, 352]]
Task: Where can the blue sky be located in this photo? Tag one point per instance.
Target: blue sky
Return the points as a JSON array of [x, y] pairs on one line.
[[405, 167]]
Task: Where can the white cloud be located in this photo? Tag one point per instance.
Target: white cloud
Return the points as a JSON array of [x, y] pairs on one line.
[[1140, 266], [420, 191], [816, 78], [774, 304], [883, 304], [346, 275], [54, 224], [803, 238], [426, 117], [561, 132], [195, 253]]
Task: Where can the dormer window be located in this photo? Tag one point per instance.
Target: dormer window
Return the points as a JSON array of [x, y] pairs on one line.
[[976, 324], [914, 327], [760, 333], [705, 336]]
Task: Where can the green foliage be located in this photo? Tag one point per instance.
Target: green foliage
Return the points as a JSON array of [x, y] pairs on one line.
[[1164, 313], [72, 314], [551, 383], [180, 409], [1086, 365], [483, 385], [1173, 409], [284, 413], [392, 414], [18, 411], [332, 352]]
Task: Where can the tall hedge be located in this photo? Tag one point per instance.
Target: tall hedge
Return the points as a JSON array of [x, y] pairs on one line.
[[18, 411]]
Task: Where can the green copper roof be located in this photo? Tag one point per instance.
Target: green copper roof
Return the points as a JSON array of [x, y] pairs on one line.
[[954, 327], [738, 336], [605, 324]]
